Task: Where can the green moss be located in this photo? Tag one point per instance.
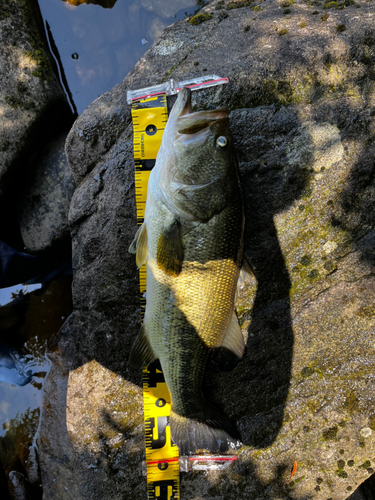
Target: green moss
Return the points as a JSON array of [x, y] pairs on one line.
[[350, 463], [340, 28], [38, 57], [330, 266], [257, 8], [307, 371], [366, 312], [37, 53], [283, 32], [16, 102], [306, 260], [372, 421], [366, 465], [331, 5], [13, 101], [330, 434], [286, 11], [307, 192], [238, 5], [287, 418], [351, 401], [287, 3], [220, 5], [324, 17], [247, 28], [319, 480], [303, 25], [222, 15], [341, 464], [313, 274], [341, 473], [199, 18]]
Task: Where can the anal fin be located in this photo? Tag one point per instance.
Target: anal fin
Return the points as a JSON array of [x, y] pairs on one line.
[[233, 339], [141, 353]]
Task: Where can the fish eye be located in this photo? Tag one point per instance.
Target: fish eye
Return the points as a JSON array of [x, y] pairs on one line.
[[222, 141]]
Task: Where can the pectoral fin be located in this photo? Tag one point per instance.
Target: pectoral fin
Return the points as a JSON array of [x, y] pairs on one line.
[[139, 246], [233, 339], [170, 252], [141, 353]]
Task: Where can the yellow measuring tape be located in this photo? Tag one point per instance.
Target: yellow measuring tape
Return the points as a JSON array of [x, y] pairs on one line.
[[149, 117]]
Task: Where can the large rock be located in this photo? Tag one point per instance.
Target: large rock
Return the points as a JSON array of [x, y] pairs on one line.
[[30, 97], [302, 98], [44, 207]]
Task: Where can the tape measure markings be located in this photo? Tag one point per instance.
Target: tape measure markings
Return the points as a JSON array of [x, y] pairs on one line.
[[162, 456]]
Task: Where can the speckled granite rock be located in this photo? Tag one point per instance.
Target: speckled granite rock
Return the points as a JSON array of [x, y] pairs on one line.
[[302, 98], [29, 91]]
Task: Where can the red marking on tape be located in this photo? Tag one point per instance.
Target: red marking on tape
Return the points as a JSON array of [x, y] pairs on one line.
[[205, 83], [163, 461], [147, 95]]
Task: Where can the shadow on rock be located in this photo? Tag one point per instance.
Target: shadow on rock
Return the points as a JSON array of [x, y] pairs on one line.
[[274, 179], [355, 211]]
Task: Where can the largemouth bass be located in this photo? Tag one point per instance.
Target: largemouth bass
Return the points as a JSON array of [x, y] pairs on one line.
[[192, 239]]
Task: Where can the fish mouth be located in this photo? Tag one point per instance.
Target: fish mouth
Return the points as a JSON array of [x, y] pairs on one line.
[[191, 123]]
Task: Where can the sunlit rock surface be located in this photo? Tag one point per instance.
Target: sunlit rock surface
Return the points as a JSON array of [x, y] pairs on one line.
[[29, 91], [46, 194], [302, 98]]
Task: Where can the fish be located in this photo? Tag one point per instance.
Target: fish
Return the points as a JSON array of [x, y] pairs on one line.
[[192, 241]]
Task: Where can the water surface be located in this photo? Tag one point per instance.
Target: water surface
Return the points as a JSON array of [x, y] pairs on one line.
[[98, 42]]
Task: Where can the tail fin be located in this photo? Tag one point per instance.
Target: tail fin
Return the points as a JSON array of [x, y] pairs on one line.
[[214, 432]]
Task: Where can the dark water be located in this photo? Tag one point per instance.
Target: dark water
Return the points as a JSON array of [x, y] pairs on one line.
[[97, 43]]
